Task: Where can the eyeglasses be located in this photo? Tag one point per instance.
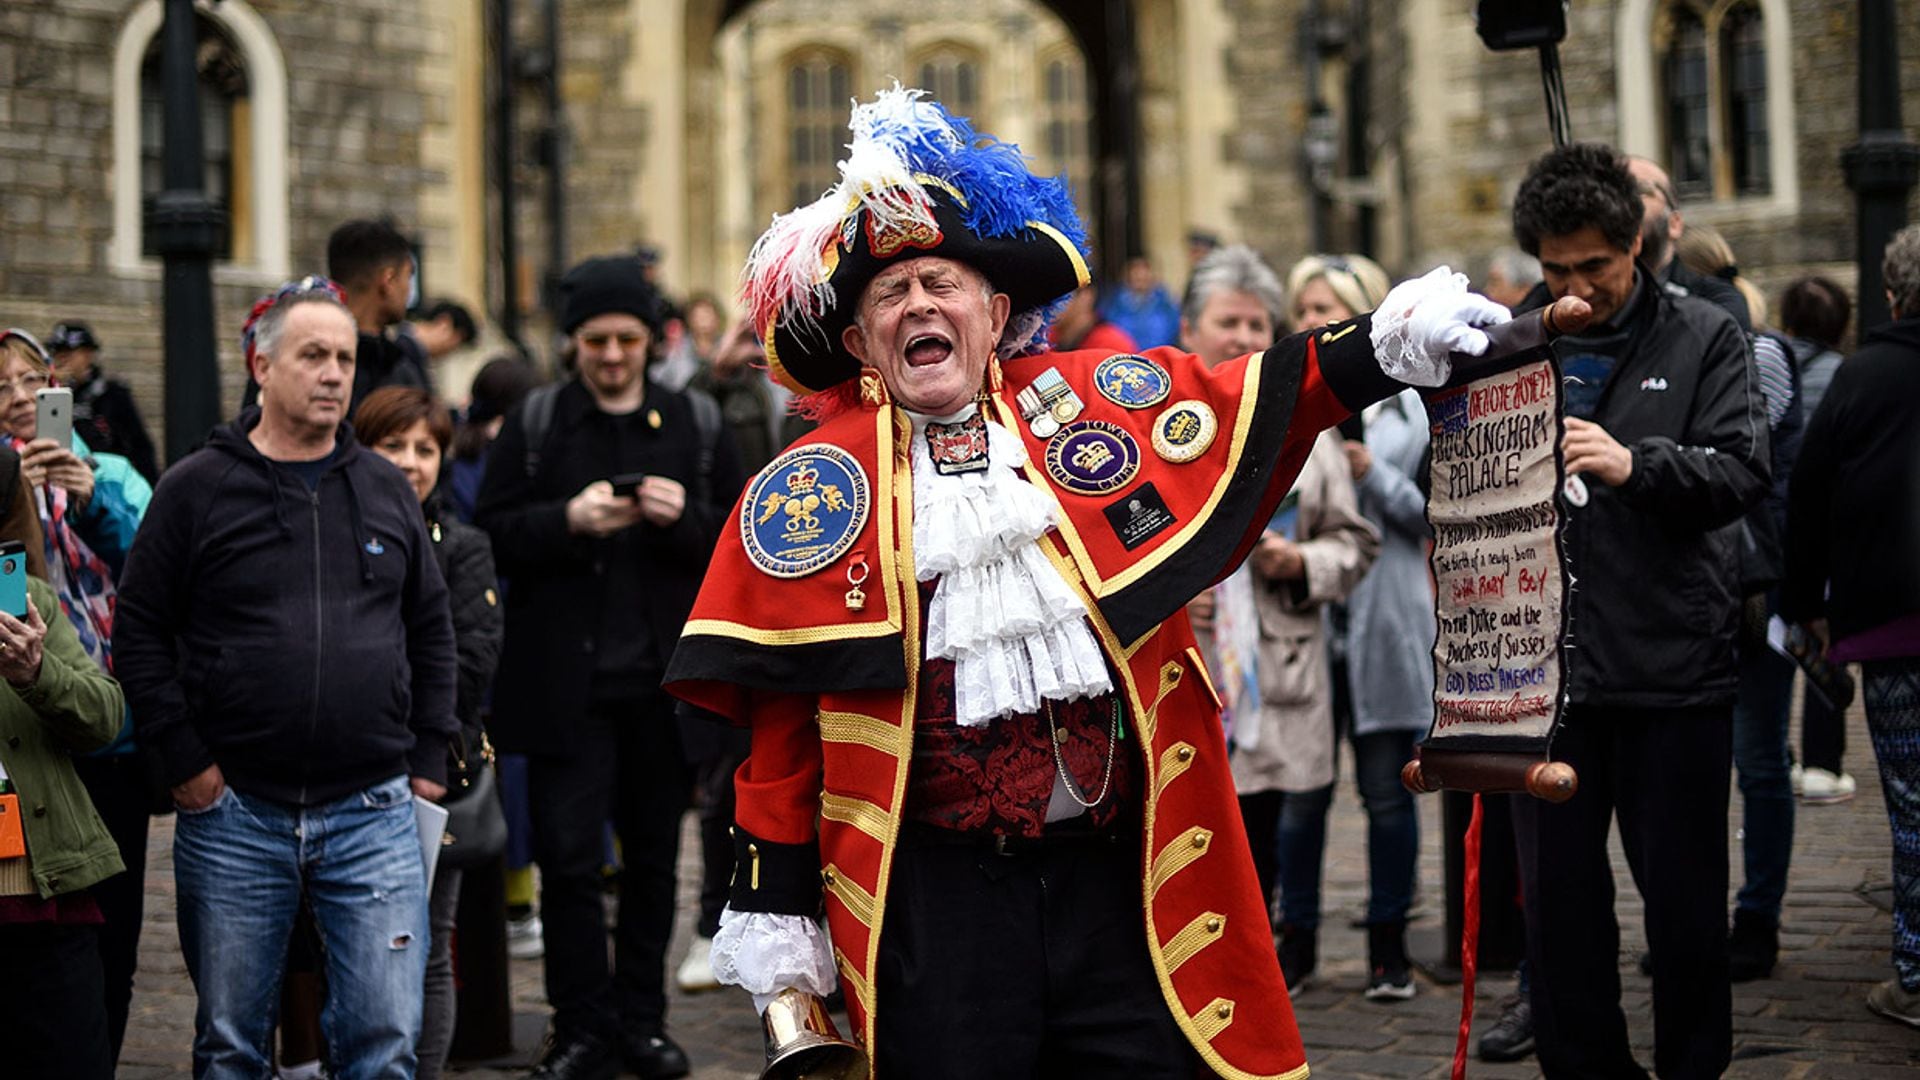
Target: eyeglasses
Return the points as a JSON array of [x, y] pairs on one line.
[[25, 384]]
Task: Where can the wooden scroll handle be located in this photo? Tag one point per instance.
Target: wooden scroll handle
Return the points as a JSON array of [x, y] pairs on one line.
[[1470, 770]]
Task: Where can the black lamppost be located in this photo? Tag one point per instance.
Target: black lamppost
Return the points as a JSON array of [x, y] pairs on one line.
[[1882, 166], [186, 228]]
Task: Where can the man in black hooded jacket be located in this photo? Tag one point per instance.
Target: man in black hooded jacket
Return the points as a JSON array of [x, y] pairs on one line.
[[283, 638]]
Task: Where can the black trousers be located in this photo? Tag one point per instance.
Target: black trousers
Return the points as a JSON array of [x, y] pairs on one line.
[[627, 768], [1664, 772], [53, 1021], [1032, 964], [117, 784]]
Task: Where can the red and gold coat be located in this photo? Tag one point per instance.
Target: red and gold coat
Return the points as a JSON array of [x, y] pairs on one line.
[[830, 692]]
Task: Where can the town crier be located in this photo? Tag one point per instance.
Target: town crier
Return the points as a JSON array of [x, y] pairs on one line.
[[982, 738]]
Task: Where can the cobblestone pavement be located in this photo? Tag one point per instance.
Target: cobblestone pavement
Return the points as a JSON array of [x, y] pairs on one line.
[[1809, 1021]]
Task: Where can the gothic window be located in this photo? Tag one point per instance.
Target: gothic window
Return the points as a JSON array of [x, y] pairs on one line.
[[952, 77], [819, 89], [242, 78], [1713, 65], [1743, 51], [1065, 120]]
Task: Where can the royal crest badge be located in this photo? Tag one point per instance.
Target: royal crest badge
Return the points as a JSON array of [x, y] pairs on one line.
[[1093, 457], [1132, 382], [959, 447], [1184, 431], [804, 510]]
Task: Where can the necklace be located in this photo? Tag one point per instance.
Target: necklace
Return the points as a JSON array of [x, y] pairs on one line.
[[1106, 776]]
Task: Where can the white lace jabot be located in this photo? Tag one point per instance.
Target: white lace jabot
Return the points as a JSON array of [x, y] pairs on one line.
[[1015, 630]]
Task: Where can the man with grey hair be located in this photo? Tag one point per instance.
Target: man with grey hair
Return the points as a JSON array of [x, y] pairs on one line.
[[1511, 274], [284, 642], [1853, 525], [1660, 229]]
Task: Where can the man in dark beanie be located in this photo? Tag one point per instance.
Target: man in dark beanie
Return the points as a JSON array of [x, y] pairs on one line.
[[604, 496]]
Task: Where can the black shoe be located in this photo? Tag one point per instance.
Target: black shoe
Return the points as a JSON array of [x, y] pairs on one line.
[[656, 1057], [1299, 952], [1389, 977], [1511, 1037], [1753, 947], [577, 1057]]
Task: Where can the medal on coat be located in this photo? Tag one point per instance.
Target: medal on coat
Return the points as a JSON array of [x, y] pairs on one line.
[[1048, 403], [959, 447], [1184, 431], [1132, 382], [804, 510], [1093, 457]]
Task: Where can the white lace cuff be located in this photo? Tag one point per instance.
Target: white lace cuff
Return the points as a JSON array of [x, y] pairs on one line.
[[1424, 320], [764, 953]]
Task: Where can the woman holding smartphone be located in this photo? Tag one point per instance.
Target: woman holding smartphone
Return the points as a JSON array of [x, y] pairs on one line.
[[89, 506]]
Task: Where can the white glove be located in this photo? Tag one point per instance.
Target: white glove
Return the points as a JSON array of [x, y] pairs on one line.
[[1424, 319]]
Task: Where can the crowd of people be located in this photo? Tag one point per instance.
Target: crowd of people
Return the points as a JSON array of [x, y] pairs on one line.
[[350, 598]]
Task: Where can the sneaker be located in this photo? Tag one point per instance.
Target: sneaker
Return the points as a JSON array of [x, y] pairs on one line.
[[1894, 1002], [696, 971], [1389, 978], [1511, 1036], [1796, 776], [1819, 787], [526, 938]]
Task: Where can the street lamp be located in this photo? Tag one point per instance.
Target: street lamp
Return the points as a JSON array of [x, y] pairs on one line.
[[1882, 166], [186, 229]]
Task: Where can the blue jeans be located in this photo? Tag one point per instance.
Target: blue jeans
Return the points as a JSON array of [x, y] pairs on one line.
[[1302, 842], [1393, 825], [1761, 755], [242, 867]]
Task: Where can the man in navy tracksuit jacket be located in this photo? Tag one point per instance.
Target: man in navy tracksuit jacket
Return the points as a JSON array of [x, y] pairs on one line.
[[284, 641]]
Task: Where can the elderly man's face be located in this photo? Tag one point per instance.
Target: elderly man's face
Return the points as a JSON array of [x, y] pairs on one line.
[[929, 326], [1660, 224], [308, 379]]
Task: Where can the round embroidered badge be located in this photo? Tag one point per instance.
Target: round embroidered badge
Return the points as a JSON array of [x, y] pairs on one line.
[[1092, 457], [804, 510], [1184, 431], [1132, 382]]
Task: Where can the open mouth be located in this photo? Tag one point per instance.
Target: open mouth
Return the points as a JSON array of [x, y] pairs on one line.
[[925, 350]]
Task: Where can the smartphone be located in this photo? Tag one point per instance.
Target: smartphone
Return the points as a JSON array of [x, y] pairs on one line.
[[627, 485], [13, 578], [53, 407]]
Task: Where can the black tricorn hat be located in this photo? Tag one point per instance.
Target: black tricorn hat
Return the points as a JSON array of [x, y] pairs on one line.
[[917, 182]]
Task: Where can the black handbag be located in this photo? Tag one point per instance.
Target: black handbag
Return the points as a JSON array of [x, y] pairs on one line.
[[476, 830]]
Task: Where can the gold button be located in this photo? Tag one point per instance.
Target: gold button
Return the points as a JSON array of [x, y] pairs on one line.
[[826, 876], [1199, 840], [1185, 753], [753, 849], [1213, 925], [1225, 1012]]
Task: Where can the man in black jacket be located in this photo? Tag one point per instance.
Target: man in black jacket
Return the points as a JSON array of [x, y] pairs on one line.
[[1661, 227], [1853, 573], [103, 410], [1666, 443], [603, 578], [283, 638]]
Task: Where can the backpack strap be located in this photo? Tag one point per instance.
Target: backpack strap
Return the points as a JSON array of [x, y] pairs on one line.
[[707, 423], [536, 422]]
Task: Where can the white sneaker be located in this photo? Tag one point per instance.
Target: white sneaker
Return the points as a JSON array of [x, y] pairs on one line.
[[696, 971], [526, 938], [1818, 786], [1796, 777]]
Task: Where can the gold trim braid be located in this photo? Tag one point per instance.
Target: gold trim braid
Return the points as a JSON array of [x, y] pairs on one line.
[[860, 729], [859, 902], [859, 813], [1204, 930], [1182, 852]]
